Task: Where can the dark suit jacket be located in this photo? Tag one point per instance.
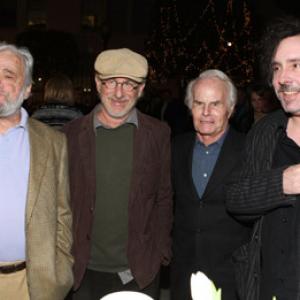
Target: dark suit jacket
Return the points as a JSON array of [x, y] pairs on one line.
[[150, 198], [205, 235]]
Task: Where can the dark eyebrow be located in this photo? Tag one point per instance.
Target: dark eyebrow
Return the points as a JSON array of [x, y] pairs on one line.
[[292, 60], [289, 60], [274, 63]]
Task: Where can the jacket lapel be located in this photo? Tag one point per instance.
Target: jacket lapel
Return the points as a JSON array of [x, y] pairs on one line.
[[190, 144], [229, 154], [87, 155], [141, 136], [39, 151]]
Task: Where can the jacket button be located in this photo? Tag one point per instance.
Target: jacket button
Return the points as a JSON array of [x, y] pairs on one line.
[[284, 220]]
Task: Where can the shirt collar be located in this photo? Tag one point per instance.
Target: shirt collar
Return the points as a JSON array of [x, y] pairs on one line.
[[24, 119], [218, 143], [132, 118], [23, 123]]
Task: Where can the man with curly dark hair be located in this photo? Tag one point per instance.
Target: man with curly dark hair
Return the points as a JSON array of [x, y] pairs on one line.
[[278, 30], [267, 189]]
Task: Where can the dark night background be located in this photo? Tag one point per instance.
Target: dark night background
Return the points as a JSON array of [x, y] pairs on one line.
[[179, 37]]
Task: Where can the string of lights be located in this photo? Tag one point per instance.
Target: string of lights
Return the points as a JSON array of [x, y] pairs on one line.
[[220, 37]]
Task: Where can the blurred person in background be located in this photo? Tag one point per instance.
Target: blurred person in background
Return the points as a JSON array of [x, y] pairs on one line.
[[263, 101], [58, 103]]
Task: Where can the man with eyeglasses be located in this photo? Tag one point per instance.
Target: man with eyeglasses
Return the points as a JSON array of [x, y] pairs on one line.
[[120, 185]]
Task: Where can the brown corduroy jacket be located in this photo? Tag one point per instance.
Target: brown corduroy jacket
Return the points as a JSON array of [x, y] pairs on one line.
[[150, 197]]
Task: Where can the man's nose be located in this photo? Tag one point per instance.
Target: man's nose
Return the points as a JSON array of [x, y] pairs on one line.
[[284, 76], [206, 110], [119, 90]]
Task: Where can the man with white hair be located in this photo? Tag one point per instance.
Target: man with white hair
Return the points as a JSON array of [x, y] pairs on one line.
[[35, 216], [205, 235]]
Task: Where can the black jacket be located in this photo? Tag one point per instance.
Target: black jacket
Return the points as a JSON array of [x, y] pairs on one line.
[[205, 235], [257, 191]]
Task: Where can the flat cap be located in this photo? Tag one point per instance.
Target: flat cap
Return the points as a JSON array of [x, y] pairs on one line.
[[121, 63]]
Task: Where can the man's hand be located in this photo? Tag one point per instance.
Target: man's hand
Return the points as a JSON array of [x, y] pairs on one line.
[[291, 180]]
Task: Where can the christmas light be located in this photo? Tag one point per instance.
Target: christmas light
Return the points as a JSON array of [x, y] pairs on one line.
[[213, 40]]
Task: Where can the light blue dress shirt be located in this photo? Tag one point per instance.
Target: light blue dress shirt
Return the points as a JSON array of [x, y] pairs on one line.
[[14, 170]]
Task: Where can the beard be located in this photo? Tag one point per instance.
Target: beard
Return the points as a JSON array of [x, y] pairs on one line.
[[122, 113], [11, 106]]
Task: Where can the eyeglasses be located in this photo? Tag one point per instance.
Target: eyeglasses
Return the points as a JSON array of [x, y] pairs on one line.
[[127, 86]]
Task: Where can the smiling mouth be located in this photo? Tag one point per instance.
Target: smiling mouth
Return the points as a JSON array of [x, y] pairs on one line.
[[118, 102], [290, 92], [289, 89]]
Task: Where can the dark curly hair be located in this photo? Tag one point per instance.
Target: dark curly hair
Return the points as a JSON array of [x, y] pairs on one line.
[[275, 32]]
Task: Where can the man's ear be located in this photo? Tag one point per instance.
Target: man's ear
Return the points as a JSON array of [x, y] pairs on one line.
[[141, 89], [27, 92], [97, 82]]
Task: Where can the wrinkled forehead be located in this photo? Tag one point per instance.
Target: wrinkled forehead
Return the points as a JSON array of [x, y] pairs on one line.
[[12, 62], [211, 85], [287, 50]]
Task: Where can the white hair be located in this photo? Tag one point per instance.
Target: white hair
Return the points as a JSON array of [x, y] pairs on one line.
[[212, 73], [25, 56]]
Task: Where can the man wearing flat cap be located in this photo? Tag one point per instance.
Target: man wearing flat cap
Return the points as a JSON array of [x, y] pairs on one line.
[[120, 185]]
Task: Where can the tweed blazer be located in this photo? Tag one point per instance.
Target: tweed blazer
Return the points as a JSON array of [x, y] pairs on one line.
[[150, 196], [48, 216]]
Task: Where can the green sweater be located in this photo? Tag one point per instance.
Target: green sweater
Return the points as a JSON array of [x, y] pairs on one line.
[[114, 152]]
